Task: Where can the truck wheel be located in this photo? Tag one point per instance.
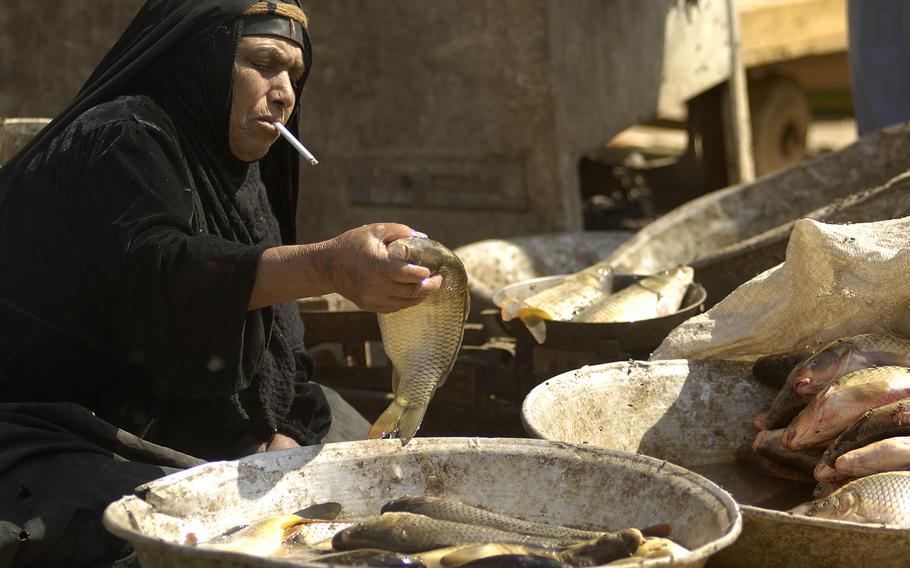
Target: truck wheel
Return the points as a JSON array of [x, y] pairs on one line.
[[780, 122]]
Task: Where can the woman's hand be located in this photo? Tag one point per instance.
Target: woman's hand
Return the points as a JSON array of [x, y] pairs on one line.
[[361, 270], [355, 264]]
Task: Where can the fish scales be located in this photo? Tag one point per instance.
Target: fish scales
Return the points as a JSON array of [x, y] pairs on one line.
[[654, 296], [876, 424], [422, 342], [834, 360], [879, 498], [845, 400], [408, 532], [444, 509]]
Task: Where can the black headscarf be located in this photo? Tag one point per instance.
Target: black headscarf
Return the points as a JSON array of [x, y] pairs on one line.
[[135, 236], [158, 38]]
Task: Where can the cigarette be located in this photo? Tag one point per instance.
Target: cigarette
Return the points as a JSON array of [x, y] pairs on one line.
[[295, 143]]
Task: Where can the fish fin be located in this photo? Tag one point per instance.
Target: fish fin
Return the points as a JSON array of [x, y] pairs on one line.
[[327, 511], [386, 426], [535, 321], [410, 422]]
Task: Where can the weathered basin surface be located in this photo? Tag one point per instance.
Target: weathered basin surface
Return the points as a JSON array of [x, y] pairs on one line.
[[732, 234], [695, 413], [534, 479]]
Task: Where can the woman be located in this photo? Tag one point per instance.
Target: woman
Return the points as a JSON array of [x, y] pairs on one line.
[[145, 316]]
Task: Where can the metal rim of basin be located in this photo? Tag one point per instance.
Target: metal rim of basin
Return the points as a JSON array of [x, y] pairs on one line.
[[117, 516]]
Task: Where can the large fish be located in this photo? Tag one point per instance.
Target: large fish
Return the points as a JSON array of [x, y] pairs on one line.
[[448, 510], [880, 498], [773, 370], [560, 302], [887, 421], [409, 532], [833, 361], [770, 444], [423, 341], [845, 400], [889, 454], [651, 297]]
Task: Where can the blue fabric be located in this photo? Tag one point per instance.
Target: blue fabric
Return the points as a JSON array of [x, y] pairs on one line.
[[879, 54]]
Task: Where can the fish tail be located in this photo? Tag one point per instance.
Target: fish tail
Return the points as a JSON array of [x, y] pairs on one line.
[[398, 419], [410, 422]]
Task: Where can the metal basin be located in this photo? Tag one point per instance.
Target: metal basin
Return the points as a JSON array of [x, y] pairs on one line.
[[638, 338], [695, 413], [533, 479], [494, 263]]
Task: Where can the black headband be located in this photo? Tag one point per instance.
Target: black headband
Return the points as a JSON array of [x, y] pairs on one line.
[[274, 25]]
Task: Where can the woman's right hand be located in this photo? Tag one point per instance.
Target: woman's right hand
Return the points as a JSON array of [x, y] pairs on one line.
[[357, 266]]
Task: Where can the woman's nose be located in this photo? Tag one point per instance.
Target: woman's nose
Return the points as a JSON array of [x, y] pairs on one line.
[[282, 91]]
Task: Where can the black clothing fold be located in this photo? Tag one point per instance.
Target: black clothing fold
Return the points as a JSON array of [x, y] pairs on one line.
[[133, 237]]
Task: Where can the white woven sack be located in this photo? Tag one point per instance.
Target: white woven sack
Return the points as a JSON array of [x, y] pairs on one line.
[[837, 280]]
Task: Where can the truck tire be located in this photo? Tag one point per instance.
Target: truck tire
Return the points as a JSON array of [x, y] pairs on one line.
[[780, 123]]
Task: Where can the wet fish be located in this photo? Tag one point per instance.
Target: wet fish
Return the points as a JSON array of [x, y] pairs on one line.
[[562, 301], [845, 400], [371, 557], [423, 341], [408, 532], [880, 498], [448, 510], [833, 361], [877, 424], [885, 455], [605, 549], [773, 370], [593, 552], [770, 444], [655, 548], [747, 456], [515, 561], [651, 297], [261, 538]]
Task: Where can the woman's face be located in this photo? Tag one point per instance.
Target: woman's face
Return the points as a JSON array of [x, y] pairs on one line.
[[266, 69]]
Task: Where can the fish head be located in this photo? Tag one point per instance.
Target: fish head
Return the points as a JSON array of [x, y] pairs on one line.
[[418, 250], [839, 505], [801, 432], [818, 370]]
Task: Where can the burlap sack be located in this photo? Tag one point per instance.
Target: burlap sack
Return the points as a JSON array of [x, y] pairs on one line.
[[837, 280]]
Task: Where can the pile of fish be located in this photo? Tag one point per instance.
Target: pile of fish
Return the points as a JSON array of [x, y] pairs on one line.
[[842, 420], [587, 296], [422, 342], [433, 532]]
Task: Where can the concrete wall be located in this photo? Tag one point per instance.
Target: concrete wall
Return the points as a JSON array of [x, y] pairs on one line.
[[48, 50], [466, 120]]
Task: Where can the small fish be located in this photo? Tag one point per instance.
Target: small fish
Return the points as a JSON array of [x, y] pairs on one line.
[[407, 532], [605, 549], [773, 370], [845, 400], [423, 341], [877, 424], [562, 301], [651, 297], [655, 548], [470, 553], [262, 538], [446, 510], [880, 498], [770, 444], [833, 361]]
